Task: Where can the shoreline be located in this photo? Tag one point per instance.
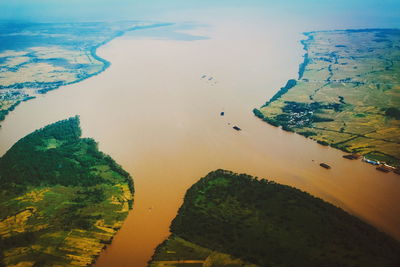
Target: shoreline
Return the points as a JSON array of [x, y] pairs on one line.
[[201, 224], [194, 133], [108, 192], [291, 83], [93, 52]]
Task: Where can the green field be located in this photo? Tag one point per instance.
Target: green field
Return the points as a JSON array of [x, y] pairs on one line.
[[230, 219], [347, 94], [39, 57], [61, 199]]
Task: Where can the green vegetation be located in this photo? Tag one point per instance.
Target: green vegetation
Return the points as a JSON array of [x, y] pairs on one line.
[[347, 94], [289, 85], [39, 57], [268, 224], [176, 251], [393, 113], [7, 108], [61, 199]]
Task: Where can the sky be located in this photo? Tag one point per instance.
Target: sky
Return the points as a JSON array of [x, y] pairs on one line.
[[350, 13]]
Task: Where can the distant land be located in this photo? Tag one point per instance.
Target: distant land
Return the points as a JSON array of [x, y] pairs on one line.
[[234, 220], [62, 200], [38, 57], [347, 94]]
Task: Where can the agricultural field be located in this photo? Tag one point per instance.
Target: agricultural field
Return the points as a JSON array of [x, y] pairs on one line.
[[61, 199], [230, 219], [347, 94], [176, 251], [38, 57]]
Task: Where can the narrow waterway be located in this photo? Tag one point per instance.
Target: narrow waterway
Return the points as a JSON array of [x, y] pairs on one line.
[[156, 116]]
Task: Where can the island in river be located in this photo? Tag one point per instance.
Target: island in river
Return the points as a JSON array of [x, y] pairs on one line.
[[230, 219], [347, 94], [62, 200], [38, 57]]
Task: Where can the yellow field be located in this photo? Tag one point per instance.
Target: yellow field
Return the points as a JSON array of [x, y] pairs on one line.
[[347, 95]]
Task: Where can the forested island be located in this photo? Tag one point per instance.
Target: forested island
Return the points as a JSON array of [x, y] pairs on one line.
[[230, 219], [38, 57], [62, 200], [347, 94]]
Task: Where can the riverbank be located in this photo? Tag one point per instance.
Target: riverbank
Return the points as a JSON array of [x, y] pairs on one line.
[[346, 95], [161, 122], [266, 223], [51, 55], [62, 199]]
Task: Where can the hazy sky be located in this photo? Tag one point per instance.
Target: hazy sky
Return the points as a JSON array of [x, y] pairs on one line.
[[350, 13]]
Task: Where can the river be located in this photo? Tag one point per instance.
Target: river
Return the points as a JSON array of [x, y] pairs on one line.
[[155, 115]]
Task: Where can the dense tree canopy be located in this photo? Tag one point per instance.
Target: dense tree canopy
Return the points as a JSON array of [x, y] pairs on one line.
[[55, 188], [276, 225]]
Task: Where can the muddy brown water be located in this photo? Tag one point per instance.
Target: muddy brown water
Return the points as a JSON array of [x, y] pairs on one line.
[[155, 115]]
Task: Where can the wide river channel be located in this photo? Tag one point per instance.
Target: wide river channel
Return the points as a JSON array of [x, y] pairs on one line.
[[156, 116]]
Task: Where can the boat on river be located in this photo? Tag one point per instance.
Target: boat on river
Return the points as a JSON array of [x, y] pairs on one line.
[[324, 165], [383, 168], [351, 156]]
